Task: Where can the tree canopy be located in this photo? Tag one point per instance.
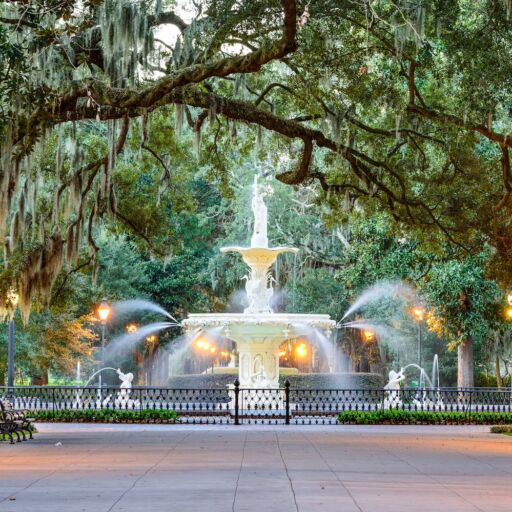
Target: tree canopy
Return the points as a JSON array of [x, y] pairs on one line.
[[143, 119], [393, 106]]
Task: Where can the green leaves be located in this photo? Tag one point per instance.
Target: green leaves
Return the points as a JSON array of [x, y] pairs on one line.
[[406, 417], [107, 416], [463, 301]]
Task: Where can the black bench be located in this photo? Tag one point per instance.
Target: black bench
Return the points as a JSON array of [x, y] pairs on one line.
[[14, 422]]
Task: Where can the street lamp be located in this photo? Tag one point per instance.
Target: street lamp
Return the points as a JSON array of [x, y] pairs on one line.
[[12, 302], [368, 336], [418, 313], [301, 350], [131, 328], [103, 314]]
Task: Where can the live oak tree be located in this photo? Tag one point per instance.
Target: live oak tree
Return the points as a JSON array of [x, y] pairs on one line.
[[394, 106]]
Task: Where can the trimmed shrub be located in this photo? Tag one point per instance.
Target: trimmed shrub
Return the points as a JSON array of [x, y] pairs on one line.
[[502, 429], [334, 380], [297, 380], [106, 416], [404, 417]]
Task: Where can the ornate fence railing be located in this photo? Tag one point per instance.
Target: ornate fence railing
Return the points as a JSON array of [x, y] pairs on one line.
[[238, 405]]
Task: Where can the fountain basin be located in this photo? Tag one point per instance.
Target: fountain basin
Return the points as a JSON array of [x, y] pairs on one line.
[[258, 338], [260, 257]]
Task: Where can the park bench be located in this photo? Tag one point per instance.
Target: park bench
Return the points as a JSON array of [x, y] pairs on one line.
[[14, 422]]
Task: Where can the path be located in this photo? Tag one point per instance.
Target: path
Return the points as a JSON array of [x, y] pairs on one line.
[[105, 468]]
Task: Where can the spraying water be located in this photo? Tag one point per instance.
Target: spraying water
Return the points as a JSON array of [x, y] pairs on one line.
[[423, 375], [385, 333], [181, 348], [97, 372], [129, 340], [128, 306], [435, 371], [380, 291]]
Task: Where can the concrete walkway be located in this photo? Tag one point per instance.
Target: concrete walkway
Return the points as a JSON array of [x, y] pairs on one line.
[[102, 468]]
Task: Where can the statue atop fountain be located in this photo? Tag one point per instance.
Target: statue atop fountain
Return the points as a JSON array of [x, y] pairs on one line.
[[260, 213], [259, 256]]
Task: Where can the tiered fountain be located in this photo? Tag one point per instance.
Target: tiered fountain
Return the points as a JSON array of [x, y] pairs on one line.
[[259, 332]]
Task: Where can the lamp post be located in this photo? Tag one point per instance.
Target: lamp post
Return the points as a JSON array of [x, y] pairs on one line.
[[12, 300], [418, 312], [151, 341], [103, 314]]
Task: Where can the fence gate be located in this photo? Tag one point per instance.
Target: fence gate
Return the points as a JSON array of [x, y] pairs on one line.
[[263, 406]]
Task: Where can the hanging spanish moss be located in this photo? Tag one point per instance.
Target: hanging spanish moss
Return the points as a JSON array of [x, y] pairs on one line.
[[507, 4], [233, 132], [397, 127], [240, 87], [34, 275], [179, 117], [197, 143], [127, 39], [259, 137], [212, 113], [409, 23]]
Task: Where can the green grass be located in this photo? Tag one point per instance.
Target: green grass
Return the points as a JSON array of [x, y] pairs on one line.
[[400, 417], [502, 429], [106, 416]]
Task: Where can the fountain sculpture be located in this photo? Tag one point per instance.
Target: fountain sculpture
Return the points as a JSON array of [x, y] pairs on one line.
[[427, 394], [123, 400], [258, 332]]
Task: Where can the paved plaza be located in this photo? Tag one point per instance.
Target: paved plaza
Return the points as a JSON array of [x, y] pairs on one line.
[[100, 468]]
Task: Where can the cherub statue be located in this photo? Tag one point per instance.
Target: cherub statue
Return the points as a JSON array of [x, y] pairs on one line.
[[126, 379], [123, 399], [392, 398]]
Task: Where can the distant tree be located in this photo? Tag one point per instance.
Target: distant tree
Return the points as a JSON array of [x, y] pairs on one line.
[[463, 308]]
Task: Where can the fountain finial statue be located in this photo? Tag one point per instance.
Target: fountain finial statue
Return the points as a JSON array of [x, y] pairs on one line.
[[260, 212]]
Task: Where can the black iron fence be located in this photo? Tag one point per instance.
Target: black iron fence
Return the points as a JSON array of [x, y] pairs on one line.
[[236, 405]]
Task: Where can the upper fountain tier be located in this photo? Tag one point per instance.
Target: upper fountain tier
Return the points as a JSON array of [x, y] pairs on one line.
[[259, 257]]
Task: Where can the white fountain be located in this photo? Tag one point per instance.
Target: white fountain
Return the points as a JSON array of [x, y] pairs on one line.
[[258, 332]]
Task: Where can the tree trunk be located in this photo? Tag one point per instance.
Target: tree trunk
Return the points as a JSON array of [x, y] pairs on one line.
[[41, 379], [140, 377], [465, 364], [499, 380]]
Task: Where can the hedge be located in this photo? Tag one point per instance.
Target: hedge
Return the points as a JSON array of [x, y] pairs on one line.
[[106, 416], [401, 417], [502, 429], [301, 380]]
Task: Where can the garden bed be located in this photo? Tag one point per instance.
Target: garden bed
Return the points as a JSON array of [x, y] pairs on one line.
[[106, 416], [502, 429], [400, 417]]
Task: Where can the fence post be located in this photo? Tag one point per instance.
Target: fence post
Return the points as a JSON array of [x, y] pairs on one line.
[[287, 401], [237, 393], [53, 401]]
